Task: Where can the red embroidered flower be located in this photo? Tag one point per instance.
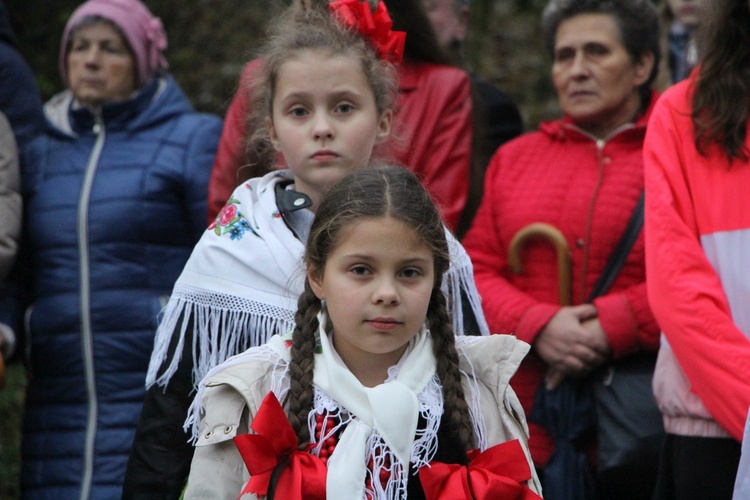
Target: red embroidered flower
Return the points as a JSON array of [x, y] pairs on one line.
[[228, 213]]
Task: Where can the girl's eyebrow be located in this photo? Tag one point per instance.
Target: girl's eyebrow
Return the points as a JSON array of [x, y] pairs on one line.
[[369, 257], [339, 94]]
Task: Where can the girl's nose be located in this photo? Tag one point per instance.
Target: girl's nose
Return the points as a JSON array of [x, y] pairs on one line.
[[323, 128], [386, 292]]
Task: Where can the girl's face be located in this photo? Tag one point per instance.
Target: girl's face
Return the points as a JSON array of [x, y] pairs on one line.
[[100, 66], [324, 119], [377, 284]]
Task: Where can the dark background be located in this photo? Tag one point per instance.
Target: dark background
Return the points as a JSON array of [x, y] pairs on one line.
[[210, 40]]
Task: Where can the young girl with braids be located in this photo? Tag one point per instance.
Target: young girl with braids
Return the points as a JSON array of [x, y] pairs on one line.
[[383, 400], [322, 102]]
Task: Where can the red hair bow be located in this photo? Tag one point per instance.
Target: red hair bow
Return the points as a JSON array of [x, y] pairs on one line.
[[375, 26], [496, 473], [274, 443]]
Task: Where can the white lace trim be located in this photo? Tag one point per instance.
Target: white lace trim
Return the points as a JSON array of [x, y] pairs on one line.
[[379, 454]]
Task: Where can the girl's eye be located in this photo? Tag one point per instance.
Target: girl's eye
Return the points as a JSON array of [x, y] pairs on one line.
[[359, 270], [298, 111], [345, 108], [78, 47], [411, 273]]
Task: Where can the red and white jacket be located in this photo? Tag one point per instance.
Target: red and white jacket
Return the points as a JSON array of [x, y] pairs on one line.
[[698, 261], [587, 188]]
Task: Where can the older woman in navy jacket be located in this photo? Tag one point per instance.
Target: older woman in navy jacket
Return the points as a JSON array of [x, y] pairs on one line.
[[115, 197]]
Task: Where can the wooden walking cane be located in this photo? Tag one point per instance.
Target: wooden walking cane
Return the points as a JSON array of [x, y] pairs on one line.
[[552, 235]]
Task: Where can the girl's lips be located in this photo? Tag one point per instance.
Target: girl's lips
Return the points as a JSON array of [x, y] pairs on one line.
[[384, 324], [325, 155]]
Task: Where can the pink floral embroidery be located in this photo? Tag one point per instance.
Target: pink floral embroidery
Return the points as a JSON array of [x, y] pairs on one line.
[[228, 213], [231, 222]]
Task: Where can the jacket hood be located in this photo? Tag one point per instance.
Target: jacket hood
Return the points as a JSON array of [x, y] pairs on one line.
[[565, 127], [6, 30], [157, 101]]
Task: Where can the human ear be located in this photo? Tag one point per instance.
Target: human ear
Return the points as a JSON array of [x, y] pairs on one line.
[[315, 278], [384, 126], [643, 67], [272, 134]]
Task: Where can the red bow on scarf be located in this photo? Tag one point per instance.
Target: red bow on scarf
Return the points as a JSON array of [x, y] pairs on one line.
[[274, 443], [375, 26], [496, 473]]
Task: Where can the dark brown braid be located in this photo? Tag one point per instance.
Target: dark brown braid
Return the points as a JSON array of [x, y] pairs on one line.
[[302, 364], [456, 410]]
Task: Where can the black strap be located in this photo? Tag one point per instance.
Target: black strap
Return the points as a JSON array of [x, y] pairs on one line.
[[621, 251]]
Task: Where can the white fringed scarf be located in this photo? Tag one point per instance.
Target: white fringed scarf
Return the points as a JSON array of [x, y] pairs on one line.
[[241, 284], [392, 409]]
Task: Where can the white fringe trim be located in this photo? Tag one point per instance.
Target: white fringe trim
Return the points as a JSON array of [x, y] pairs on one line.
[[460, 277], [223, 326]]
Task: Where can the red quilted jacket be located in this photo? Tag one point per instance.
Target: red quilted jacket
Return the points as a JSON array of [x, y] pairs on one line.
[[587, 188], [431, 135]]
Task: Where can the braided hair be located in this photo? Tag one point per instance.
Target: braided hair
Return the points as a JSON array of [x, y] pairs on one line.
[[396, 193]]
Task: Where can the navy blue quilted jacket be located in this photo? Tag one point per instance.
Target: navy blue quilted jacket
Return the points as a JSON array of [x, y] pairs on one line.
[[114, 204]]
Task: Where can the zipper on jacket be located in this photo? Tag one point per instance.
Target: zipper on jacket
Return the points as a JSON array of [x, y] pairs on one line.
[[87, 341], [600, 144]]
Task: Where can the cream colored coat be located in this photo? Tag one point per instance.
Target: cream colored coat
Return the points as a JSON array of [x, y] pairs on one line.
[[233, 393]]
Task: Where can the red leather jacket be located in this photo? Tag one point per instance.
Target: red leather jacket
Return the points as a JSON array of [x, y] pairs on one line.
[[432, 136], [587, 188]]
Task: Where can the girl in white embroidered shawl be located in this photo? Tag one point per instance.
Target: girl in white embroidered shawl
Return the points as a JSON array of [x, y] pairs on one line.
[[323, 99], [370, 377], [238, 288]]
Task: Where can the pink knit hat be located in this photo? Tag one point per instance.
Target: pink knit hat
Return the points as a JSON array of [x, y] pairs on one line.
[[143, 32]]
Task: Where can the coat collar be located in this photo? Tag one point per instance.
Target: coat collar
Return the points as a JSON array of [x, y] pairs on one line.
[[566, 129]]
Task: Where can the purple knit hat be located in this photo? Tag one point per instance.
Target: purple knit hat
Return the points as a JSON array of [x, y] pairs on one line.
[[143, 32]]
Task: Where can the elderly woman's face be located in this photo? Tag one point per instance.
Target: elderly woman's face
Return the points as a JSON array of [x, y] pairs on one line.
[[594, 76], [101, 67]]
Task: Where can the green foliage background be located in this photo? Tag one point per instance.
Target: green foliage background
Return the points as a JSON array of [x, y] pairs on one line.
[[209, 43]]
